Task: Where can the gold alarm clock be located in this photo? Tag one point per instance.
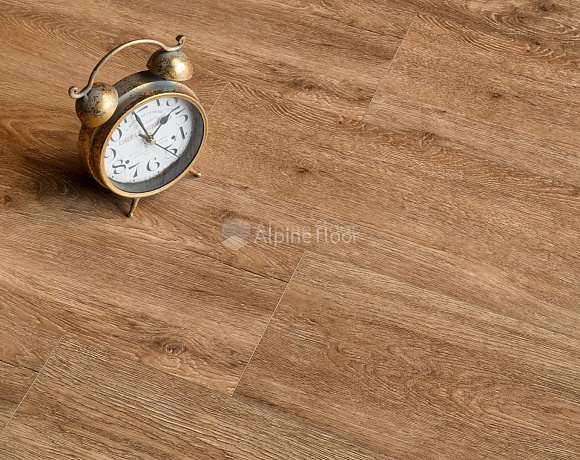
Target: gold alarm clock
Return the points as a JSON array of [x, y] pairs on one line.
[[143, 134]]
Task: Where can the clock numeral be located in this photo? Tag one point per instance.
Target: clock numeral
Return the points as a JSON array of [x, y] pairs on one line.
[[182, 116], [119, 134], [140, 109], [136, 166], [183, 134], [153, 164], [119, 167], [158, 102], [173, 101], [110, 154]]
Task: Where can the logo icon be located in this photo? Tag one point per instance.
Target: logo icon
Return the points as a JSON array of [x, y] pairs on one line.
[[235, 234]]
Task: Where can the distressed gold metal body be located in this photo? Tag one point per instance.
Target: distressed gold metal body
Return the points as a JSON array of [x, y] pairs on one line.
[[170, 65], [102, 107]]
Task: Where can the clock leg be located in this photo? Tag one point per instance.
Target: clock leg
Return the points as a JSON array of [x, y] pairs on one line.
[[195, 172], [133, 206]]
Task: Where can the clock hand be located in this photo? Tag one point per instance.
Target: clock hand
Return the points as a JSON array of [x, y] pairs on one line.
[[148, 138], [166, 149], [162, 121]]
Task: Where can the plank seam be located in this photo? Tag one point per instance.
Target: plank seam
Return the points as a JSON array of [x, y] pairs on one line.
[[291, 418], [218, 98], [32, 384], [269, 321], [389, 66]]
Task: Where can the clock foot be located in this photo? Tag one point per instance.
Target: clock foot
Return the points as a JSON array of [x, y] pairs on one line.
[[133, 206], [195, 172]]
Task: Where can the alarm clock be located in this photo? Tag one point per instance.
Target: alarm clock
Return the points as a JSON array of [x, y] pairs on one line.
[[142, 134]]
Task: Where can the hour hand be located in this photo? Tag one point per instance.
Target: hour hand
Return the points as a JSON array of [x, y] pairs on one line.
[[147, 137], [162, 121]]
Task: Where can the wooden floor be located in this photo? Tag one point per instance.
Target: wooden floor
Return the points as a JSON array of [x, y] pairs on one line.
[[418, 163]]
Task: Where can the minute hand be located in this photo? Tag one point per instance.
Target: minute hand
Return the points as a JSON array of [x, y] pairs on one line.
[[163, 120], [143, 127]]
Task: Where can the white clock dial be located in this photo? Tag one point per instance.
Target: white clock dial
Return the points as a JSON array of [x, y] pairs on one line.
[[149, 140]]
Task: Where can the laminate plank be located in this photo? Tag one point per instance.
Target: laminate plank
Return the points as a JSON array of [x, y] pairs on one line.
[[165, 306], [323, 61], [465, 226], [23, 344], [24, 348], [414, 372], [438, 126], [14, 383], [492, 96], [553, 24], [369, 16], [90, 404]]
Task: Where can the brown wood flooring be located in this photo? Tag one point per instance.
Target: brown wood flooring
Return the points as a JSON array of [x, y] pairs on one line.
[[495, 97], [418, 297]]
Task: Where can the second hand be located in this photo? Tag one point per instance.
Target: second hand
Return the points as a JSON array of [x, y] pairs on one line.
[[167, 150]]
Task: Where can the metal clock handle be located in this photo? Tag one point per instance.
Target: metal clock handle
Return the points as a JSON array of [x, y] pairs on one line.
[[74, 91]]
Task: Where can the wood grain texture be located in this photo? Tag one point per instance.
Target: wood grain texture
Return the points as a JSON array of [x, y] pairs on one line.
[[161, 304], [323, 61], [14, 383], [553, 24], [92, 405], [24, 348], [447, 329], [161, 288], [40, 145], [464, 226], [23, 344], [491, 96], [413, 372]]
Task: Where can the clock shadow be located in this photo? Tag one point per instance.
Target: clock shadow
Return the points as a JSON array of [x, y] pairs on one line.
[[57, 182]]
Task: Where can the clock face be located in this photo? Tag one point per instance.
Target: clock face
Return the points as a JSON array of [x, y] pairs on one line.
[[153, 144]]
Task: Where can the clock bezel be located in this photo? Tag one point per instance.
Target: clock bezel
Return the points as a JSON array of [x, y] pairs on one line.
[[134, 90], [106, 179]]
